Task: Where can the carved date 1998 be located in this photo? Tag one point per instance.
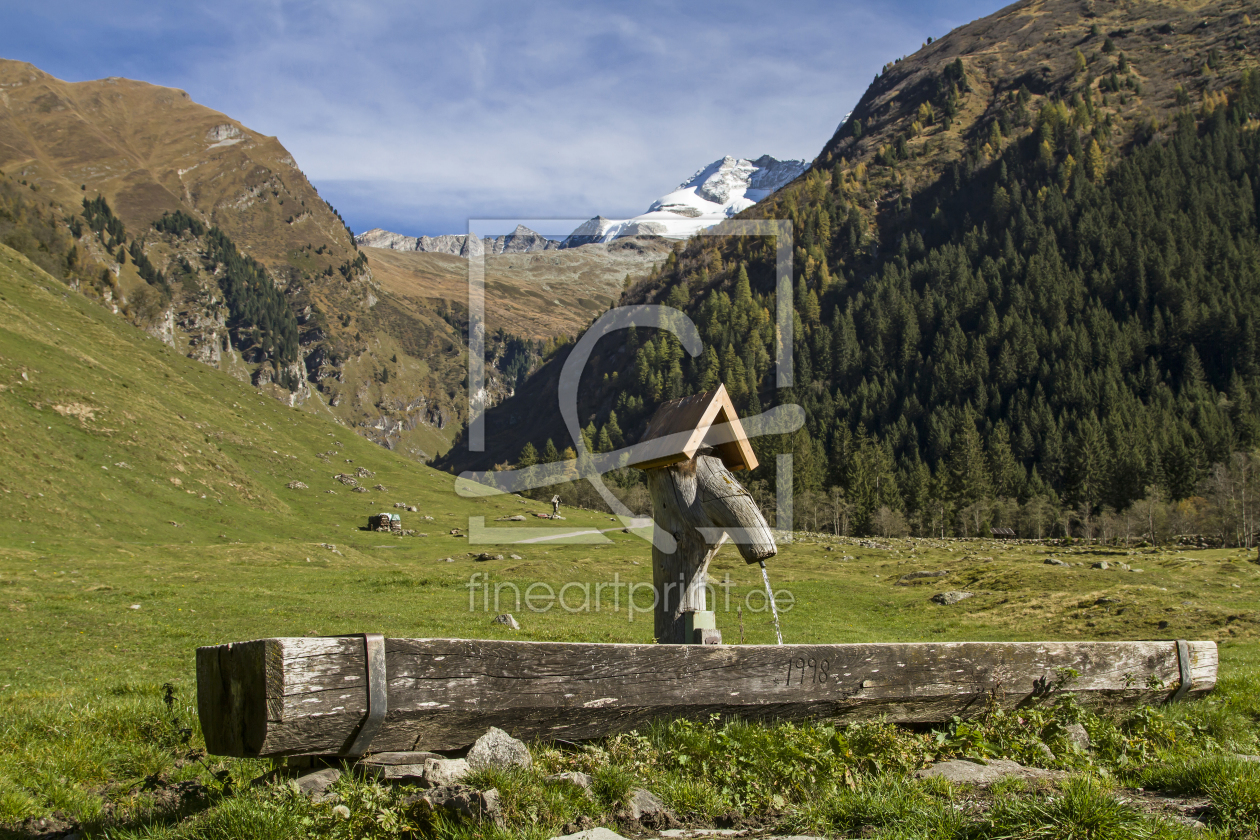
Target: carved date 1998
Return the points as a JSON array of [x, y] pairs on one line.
[[817, 671]]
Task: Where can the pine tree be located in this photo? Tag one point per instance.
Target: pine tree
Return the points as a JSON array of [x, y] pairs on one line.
[[528, 456], [1095, 166], [1007, 474], [969, 479], [614, 430], [549, 453]]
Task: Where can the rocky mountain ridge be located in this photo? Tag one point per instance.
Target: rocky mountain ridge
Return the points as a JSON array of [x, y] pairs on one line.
[[520, 241], [715, 192]]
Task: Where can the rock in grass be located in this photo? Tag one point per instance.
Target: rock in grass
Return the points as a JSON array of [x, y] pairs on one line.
[[424, 769], [445, 771], [969, 772], [317, 782], [483, 557], [644, 804], [296, 485], [459, 800], [515, 518], [578, 780], [1101, 564], [599, 833], [1052, 561], [1077, 735], [507, 621], [498, 749], [948, 599], [394, 774]]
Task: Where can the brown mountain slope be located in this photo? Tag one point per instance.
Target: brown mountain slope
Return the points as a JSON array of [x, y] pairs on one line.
[[150, 150], [391, 367], [537, 295], [1137, 63]]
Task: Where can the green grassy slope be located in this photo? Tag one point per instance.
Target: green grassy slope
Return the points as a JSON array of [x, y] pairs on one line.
[[85, 738], [122, 454]]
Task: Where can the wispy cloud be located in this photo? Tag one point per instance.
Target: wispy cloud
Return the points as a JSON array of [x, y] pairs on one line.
[[418, 116]]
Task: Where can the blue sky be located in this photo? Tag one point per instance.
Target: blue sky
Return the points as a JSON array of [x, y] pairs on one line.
[[416, 117]]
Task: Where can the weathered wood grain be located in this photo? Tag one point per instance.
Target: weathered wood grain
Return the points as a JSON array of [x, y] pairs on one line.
[[697, 501], [307, 696]]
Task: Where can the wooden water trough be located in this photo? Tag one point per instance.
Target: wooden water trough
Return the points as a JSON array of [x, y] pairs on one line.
[[342, 696], [347, 695]]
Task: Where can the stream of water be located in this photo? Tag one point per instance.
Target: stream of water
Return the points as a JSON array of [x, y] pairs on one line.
[[770, 595]]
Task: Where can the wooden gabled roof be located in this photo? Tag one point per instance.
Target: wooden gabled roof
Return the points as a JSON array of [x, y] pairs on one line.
[[680, 427]]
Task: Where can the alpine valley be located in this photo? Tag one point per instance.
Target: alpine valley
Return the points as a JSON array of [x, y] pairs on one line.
[[1026, 288], [1024, 335]]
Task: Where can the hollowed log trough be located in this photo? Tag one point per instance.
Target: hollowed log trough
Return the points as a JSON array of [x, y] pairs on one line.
[[310, 696]]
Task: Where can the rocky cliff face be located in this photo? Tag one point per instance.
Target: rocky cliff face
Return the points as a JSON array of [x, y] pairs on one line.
[[520, 241]]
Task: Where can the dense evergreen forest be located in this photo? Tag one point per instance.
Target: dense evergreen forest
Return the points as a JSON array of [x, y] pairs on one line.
[[1042, 340], [260, 315]]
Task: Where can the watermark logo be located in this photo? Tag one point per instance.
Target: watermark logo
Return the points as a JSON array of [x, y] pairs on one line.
[[590, 466], [639, 598]]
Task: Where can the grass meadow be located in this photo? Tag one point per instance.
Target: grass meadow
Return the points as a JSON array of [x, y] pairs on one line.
[[146, 510]]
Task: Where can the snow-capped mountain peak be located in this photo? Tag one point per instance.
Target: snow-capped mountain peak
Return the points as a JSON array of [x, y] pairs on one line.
[[716, 192]]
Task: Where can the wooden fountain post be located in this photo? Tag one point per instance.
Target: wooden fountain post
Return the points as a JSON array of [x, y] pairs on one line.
[[697, 500]]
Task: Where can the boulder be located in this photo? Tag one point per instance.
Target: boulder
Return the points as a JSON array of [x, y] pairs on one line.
[[459, 800], [948, 599], [599, 833], [644, 804], [318, 782], [507, 621], [445, 771], [498, 749], [1101, 564], [1053, 561], [970, 772], [1077, 735], [516, 518]]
